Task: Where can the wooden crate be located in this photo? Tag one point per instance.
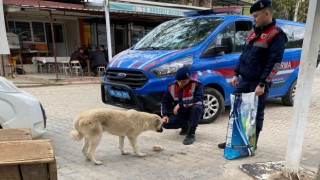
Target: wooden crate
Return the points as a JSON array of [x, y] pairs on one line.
[[15, 134], [23, 158]]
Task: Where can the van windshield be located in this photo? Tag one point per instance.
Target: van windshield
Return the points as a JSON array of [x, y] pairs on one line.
[[179, 33]]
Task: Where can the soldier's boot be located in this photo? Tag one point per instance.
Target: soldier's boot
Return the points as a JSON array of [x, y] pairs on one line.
[[256, 145], [222, 145], [184, 129], [190, 138]]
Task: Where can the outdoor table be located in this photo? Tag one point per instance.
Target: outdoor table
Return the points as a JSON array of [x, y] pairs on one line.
[[50, 60], [61, 60]]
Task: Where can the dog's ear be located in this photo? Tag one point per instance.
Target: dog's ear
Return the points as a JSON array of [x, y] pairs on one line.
[[158, 119]]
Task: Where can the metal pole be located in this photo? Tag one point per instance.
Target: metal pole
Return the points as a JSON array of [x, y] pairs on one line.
[[54, 46], [97, 33], [304, 87], [106, 9], [4, 73], [7, 29]]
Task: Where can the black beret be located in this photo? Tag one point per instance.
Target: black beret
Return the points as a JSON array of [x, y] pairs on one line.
[[260, 5], [182, 73]]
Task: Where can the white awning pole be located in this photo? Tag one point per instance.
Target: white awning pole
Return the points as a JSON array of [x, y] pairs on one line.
[[304, 88], [4, 47], [106, 10]]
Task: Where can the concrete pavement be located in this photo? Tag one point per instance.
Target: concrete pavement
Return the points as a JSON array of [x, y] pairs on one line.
[[202, 160]]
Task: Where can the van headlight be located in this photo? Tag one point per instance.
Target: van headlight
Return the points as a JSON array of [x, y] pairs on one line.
[[170, 69]]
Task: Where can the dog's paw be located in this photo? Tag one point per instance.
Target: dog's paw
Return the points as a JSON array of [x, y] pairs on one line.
[[124, 153], [140, 154], [98, 162]]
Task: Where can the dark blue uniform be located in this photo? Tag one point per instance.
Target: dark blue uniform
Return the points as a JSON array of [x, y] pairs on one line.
[[190, 100], [259, 62]]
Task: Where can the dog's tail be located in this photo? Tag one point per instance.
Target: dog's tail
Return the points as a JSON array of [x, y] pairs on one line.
[[75, 133]]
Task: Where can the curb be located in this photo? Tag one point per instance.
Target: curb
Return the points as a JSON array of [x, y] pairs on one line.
[[27, 81]]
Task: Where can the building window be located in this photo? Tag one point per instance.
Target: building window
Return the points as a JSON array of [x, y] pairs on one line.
[[11, 26], [23, 30], [38, 32], [137, 32], [28, 31]]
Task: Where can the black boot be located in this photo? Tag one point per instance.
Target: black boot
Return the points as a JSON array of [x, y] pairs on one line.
[[190, 138], [184, 129], [222, 145], [256, 145]]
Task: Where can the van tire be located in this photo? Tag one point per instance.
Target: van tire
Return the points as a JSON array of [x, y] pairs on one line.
[[288, 99], [217, 105]]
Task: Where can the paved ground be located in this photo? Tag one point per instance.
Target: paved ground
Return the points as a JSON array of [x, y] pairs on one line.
[[202, 160]]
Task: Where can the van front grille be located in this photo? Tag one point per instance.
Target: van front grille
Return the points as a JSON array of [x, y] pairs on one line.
[[132, 78]]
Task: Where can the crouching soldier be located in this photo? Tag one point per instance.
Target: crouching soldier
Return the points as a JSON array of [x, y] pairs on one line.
[[182, 105]]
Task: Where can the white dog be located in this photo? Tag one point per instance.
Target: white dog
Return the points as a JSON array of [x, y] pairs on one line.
[[90, 125]]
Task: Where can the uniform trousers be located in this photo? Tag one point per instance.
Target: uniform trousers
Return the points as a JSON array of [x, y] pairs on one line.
[[189, 116]]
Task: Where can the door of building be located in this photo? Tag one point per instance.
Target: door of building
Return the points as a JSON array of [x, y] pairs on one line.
[[60, 42], [120, 38]]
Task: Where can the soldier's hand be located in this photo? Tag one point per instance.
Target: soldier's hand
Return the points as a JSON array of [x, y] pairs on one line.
[[234, 80], [165, 119], [259, 90], [175, 110]]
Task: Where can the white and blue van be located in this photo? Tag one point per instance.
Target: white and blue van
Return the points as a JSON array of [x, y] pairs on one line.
[[210, 45]]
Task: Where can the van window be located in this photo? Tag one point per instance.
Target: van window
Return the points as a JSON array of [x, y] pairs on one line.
[[242, 31], [298, 36], [226, 38], [179, 33], [234, 36], [294, 33], [288, 29]]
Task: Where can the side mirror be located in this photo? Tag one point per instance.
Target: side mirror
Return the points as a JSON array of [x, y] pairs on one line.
[[226, 47], [227, 43], [220, 49], [214, 51]]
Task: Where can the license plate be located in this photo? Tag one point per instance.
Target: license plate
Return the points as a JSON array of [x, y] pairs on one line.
[[119, 94]]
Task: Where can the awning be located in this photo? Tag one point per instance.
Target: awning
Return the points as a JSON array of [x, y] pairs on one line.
[[143, 7], [4, 47], [43, 4], [120, 10]]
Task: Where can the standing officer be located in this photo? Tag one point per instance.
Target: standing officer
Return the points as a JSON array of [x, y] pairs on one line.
[[260, 59], [182, 105]]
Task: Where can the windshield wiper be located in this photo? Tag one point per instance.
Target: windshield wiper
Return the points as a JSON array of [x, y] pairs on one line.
[[153, 48]]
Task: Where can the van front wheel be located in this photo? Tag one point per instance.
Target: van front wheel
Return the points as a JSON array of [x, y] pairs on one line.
[[214, 103]]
